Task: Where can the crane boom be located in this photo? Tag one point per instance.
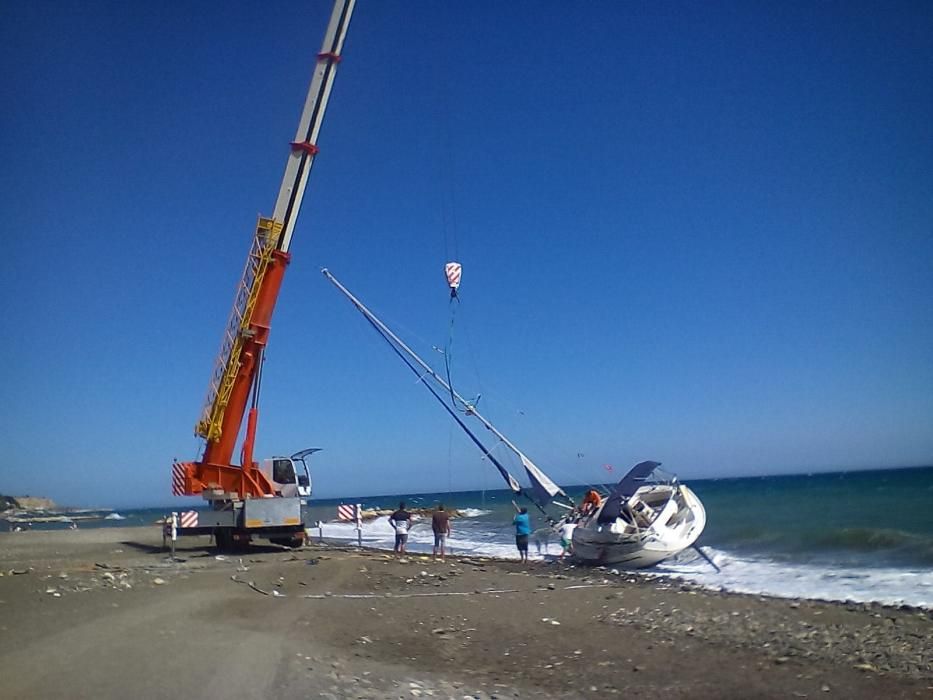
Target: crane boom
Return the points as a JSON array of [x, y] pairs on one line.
[[236, 373], [304, 148]]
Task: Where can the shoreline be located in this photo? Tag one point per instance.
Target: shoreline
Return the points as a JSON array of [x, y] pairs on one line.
[[643, 576], [332, 621], [647, 575]]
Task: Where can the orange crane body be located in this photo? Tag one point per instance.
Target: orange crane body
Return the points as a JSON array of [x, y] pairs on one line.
[[220, 451], [246, 499]]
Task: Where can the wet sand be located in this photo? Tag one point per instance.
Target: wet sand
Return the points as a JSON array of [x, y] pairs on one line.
[[104, 613]]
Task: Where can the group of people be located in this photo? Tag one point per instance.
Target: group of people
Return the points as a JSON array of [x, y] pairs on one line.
[[522, 522], [400, 521]]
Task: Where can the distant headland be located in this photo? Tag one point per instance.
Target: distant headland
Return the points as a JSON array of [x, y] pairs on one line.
[[26, 503]]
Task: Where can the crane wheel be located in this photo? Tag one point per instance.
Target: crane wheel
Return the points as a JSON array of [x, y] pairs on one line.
[[296, 541], [227, 540], [223, 540]]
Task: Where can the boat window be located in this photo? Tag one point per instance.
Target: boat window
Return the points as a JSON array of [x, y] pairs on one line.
[[283, 472]]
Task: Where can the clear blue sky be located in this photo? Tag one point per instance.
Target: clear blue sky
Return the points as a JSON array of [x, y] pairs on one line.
[[695, 232]]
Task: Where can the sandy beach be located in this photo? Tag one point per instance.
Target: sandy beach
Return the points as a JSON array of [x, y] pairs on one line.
[[104, 613]]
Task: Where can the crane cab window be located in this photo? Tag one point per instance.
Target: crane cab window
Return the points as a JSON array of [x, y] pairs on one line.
[[283, 471]]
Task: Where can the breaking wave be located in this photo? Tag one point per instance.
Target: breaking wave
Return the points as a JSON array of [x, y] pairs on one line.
[[473, 512], [863, 539], [870, 546], [739, 574]]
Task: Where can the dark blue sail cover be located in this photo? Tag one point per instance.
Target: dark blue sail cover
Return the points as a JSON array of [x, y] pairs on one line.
[[539, 494], [625, 489], [632, 481]]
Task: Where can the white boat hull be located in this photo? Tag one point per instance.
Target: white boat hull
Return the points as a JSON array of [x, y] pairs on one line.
[[676, 527]]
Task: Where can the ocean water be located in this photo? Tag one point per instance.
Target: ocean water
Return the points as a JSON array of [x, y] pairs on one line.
[[863, 536]]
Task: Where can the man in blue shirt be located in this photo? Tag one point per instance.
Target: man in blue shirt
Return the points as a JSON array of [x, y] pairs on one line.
[[522, 523]]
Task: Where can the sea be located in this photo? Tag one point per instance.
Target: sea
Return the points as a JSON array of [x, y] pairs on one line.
[[862, 536]]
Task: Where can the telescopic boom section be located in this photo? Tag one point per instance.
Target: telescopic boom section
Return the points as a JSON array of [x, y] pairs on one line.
[[237, 369]]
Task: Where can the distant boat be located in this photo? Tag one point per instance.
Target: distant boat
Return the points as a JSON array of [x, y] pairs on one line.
[[644, 519]]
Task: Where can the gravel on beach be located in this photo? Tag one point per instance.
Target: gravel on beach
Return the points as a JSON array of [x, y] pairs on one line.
[[106, 613]]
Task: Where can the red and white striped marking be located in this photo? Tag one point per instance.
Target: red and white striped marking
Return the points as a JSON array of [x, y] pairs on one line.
[[453, 270], [178, 479], [188, 518], [346, 512]]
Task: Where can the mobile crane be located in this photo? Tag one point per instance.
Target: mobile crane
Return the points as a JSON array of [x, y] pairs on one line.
[[249, 499]]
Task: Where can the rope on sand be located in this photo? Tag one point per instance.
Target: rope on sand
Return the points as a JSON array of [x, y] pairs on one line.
[[318, 596], [389, 596], [250, 584], [432, 594]]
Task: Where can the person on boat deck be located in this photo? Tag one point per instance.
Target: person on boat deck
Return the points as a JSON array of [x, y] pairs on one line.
[[440, 524], [522, 523], [590, 502], [400, 521]]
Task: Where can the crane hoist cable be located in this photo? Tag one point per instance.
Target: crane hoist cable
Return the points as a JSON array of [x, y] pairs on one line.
[[514, 485], [448, 348], [453, 271]]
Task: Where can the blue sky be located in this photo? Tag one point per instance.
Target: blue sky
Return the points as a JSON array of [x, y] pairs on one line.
[[700, 233]]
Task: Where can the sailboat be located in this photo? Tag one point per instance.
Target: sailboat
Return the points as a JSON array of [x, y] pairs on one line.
[[644, 519]]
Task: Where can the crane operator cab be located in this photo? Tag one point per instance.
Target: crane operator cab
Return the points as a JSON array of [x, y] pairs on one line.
[[290, 475]]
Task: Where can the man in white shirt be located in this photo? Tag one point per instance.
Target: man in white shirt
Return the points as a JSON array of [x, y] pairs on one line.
[[566, 538], [400, 521]]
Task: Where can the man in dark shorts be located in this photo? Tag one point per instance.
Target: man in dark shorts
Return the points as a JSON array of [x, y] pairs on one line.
[[440, 523], [522, 523], [400, 521]]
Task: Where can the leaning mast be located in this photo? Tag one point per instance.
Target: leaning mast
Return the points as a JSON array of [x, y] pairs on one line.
[[535, 474]]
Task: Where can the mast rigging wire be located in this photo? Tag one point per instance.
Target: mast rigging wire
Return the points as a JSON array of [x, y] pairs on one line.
[[453, 413]]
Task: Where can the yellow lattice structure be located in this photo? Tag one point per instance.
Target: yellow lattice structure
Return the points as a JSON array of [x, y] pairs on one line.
[[268, 232]]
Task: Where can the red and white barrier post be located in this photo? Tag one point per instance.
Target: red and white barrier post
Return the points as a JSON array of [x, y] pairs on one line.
[[174, 532], [359, 525]]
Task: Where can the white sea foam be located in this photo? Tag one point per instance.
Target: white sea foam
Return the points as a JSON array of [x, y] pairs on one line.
[[472, 512], [114, 516], [786, 580], [380, 535]]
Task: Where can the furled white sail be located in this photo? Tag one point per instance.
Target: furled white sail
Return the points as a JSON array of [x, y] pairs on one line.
[[541, 484]]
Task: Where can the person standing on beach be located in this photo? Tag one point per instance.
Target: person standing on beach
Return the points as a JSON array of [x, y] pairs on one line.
[[566, 538], [522, 523], [400, 521], [542, 539], [440, 523]]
